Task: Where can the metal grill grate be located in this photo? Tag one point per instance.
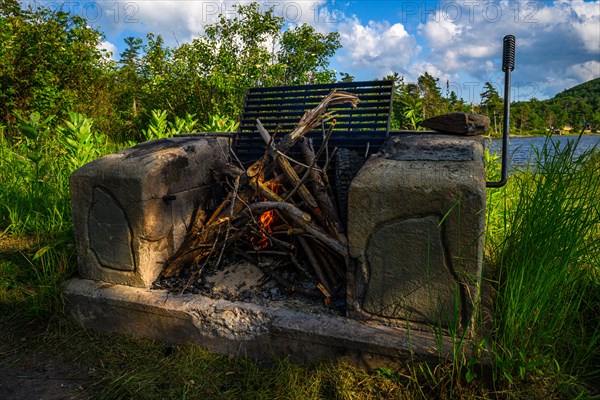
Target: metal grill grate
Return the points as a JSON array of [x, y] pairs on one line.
[[280, 108]]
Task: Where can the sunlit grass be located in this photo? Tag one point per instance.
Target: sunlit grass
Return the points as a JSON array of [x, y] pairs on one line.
[[544, 238], [542, 242]]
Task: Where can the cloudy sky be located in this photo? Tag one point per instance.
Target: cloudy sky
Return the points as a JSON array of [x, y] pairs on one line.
[[460, 41]]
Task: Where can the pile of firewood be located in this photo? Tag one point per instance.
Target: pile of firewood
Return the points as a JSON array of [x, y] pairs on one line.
[[278, 206]]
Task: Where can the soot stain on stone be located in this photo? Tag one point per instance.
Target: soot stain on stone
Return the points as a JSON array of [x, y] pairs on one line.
[[149, 148], [190, 149]]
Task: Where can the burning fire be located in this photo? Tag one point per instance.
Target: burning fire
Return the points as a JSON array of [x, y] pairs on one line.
[[265, 222]]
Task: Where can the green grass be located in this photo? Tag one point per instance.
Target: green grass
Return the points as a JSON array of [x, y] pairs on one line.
[[544, 237], [125, 368], [542, 244]]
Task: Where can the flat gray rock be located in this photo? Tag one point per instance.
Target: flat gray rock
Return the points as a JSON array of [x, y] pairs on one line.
[[458, 123]]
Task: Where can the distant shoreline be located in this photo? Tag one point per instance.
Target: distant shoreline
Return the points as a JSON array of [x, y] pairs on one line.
[[539, 135]]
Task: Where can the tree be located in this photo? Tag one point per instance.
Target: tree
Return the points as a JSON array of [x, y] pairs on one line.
[[455, 104], [155, 71], [397, 117], [129, 79], [491, 103], [130, 56], [212, 74], [305, 55], [536, 116], [520, 116], [550, 121], [10, 8], [49, 63], [346, 77], [407, 105], [431, 95], [595, 121]]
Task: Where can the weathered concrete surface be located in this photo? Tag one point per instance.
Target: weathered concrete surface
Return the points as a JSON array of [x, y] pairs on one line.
[[258, 332], [416, 223], [131, 209]]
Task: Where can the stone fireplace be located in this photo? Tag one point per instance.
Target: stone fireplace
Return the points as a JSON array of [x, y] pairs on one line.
[[415, 230]]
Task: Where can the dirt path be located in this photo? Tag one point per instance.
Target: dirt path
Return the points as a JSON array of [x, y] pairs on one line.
[[30, 367], [41, 377]]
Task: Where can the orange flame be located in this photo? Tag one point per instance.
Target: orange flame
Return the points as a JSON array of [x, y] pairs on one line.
[[266, 221]]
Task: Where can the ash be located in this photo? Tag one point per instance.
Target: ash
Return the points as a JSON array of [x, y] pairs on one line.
[[255, 282]]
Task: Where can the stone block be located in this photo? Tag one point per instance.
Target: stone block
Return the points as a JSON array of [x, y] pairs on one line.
[[131, 209], [458, 124], [415, 223]]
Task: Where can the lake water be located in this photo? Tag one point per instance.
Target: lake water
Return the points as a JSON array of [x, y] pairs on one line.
[[520, 149]]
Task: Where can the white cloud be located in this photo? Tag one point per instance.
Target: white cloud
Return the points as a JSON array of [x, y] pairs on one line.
[[586, 22], [319, 14], [420, 67], [381, 47], [180, 21], [111, 48], [586, 71], [557, 41], [441, 33]]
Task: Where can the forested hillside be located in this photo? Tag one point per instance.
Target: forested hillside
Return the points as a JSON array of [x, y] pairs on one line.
[[577, 107]]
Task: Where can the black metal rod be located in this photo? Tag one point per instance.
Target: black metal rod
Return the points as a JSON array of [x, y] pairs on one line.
[[508, 65]]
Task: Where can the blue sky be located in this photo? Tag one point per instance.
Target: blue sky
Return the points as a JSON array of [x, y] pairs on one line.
[[458, 41]]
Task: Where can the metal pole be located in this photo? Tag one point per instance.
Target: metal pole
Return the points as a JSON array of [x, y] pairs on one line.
[[508, 65]]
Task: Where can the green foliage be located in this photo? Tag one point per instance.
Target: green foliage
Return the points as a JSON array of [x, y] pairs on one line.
[[412, 114], [35, 168], [588, 92], [220, 123], [81, 143], [578, 107], [10, 8], [413, 103], [49, 63], [34, 146], [211, 74], [130, 56], [548, 262], [160, 128], [183, 125], [432, 102], [492, 105], [157, 128], [35, 134], [34, 198], [346, 77], [305, 55]]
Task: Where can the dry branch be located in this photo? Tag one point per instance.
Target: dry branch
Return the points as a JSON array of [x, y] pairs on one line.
[[313, 117], [253, 194], [305, 222], [332, 219]]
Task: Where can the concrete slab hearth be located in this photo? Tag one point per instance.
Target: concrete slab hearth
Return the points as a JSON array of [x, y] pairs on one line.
[[259, 332]]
